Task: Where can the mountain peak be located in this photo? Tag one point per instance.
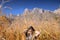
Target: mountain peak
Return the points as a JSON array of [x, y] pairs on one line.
[[57, 10], [26, 11], [37, 10]]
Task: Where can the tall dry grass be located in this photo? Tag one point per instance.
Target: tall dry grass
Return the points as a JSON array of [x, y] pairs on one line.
[[49, 27]]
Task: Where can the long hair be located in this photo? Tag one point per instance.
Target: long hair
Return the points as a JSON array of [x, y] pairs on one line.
[[26, 33]]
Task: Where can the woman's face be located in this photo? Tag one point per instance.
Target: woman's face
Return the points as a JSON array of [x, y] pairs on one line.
[[30, 31]]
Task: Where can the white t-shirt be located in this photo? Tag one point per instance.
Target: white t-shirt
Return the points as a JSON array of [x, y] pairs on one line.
[[29, 38]]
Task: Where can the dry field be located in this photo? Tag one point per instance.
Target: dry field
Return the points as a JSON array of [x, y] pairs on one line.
[[47, 23]]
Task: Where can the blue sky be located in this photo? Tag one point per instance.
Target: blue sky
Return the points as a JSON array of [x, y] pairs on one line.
[[19, 5]]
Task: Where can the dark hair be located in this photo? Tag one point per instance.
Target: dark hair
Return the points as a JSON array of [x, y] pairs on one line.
[[29, 29]]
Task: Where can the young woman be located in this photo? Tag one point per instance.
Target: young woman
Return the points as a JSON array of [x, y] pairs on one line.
[[29, 33], [32, 34]]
